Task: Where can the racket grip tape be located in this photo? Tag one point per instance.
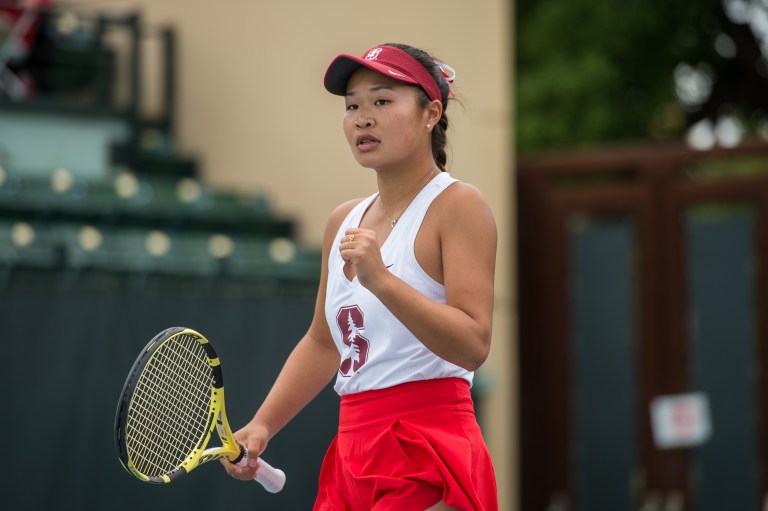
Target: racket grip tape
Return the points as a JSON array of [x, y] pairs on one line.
[[271, 478]]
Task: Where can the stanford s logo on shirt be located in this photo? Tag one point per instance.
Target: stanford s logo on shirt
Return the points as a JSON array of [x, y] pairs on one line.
[[352, 324]]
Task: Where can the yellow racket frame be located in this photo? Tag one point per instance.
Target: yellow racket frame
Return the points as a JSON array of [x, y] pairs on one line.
[[217, 418]]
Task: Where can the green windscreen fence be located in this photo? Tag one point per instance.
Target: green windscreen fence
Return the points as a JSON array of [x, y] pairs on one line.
[[722, 274], [68, 348], [602, 342]]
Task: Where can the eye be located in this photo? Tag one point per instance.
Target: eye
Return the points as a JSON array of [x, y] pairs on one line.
[[351, 107], [381, 102]]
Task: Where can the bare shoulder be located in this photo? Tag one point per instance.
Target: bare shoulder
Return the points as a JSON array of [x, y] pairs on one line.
[[341, 211], [463, 204], [461, 191], [337, 217]]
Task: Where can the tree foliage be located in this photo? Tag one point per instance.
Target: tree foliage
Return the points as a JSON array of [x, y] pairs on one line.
[[599, 71]]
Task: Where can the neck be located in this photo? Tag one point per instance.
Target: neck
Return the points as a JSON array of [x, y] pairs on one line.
[[397, 181], [397, 192]]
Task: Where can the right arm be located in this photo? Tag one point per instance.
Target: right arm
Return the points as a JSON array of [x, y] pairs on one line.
[[309, 368]]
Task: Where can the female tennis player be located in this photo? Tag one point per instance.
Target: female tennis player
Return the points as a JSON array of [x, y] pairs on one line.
[[404, 308]]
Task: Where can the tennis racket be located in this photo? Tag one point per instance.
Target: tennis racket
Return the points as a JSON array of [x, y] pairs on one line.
[[172, 401]]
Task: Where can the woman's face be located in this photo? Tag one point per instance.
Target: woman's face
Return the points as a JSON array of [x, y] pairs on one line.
[[384, 124]]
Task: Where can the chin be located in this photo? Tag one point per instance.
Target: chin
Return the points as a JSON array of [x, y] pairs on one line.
[[366, 162]]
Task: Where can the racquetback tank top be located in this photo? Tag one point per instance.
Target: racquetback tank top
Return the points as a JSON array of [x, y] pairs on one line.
[[377, 351]]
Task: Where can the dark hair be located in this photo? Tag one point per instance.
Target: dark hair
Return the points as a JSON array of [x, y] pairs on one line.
[[440, 131]]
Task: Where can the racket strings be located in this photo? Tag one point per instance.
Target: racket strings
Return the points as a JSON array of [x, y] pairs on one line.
[[154, 453], [165, 417], [169, 413], [173, 412]]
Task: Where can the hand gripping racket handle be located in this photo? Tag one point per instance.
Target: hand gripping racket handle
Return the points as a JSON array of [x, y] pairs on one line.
[[271, 478]]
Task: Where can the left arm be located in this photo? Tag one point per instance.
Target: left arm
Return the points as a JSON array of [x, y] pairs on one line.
[[458, 331]]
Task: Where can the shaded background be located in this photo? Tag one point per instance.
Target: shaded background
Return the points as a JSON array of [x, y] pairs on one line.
[[642, 172]]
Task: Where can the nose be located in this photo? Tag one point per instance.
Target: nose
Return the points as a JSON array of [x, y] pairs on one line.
[[364, 119], [364, 123]]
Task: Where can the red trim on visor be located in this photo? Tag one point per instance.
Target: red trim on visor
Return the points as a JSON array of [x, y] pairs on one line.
[[386, 60]]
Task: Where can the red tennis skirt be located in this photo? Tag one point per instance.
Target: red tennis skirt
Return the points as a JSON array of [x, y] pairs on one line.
[[406, 448]]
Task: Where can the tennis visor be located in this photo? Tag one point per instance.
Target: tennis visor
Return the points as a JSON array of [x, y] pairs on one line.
[[386, 60]]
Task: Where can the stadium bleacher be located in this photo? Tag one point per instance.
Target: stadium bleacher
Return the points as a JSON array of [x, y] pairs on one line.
[[84, 188], [129, 224]]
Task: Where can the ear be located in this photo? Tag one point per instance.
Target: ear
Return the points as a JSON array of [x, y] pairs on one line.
[[434, 112]]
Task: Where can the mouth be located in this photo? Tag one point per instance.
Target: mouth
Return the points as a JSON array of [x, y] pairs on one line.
[[366, 140]]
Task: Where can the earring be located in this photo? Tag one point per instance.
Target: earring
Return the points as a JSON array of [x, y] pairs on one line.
[[429, 126]]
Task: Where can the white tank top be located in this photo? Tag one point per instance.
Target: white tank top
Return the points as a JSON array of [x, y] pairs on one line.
[[377, 351]]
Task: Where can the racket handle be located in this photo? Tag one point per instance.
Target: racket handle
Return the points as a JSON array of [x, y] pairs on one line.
[[271, 478]]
